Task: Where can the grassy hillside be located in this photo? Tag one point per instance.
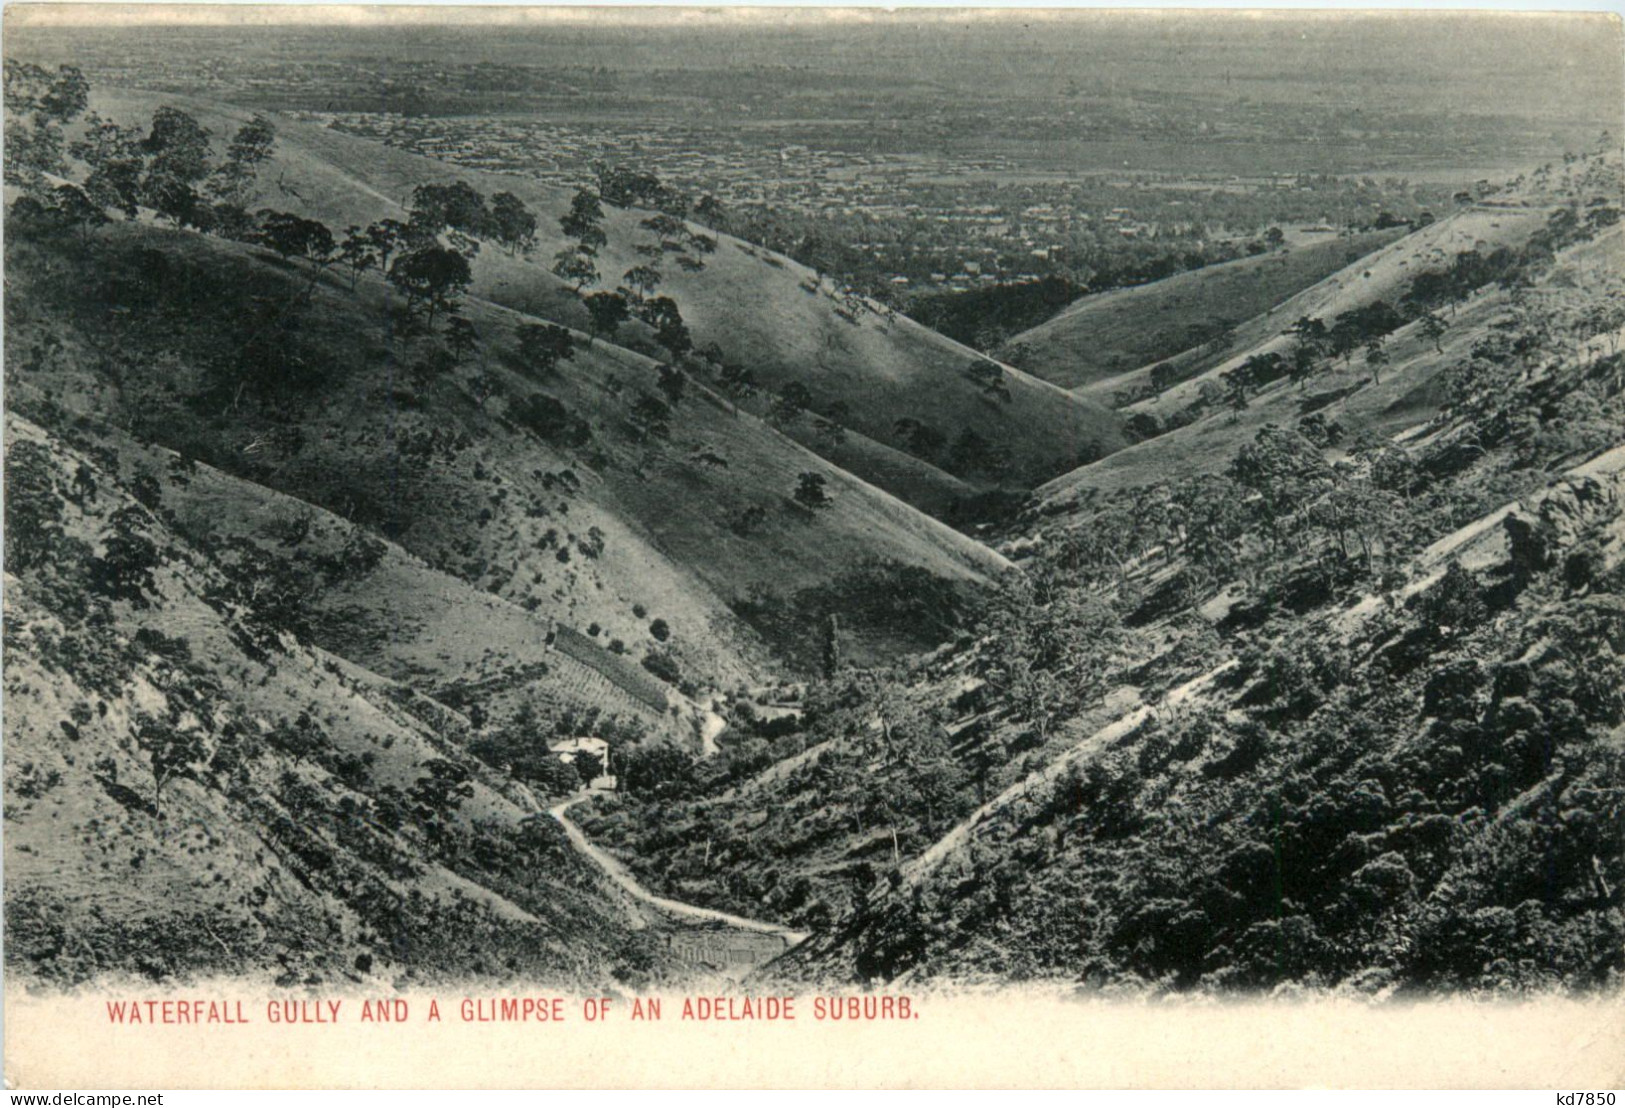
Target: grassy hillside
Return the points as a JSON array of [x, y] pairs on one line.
[[1383, 275], [765, 312], [1111, 333], [189, 789], [540, 491], [1407, 389], [297, 593], [912, 480], [1318, 686], [374, 604]]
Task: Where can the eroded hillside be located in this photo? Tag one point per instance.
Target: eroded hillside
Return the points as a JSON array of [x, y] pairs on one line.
[[190, 788]]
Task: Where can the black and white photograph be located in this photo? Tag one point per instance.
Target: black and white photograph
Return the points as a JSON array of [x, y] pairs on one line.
[[757, 515]]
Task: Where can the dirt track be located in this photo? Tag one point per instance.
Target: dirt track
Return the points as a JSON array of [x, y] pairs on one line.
[[622, 877]]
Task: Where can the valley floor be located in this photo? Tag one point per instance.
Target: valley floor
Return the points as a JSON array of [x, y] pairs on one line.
[[704, 939]]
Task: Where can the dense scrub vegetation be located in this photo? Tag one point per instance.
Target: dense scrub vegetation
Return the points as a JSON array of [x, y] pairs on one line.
[[1323, 717], [1424, 806]]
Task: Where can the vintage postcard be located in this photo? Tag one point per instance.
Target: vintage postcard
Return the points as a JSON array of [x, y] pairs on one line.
[[620, 547]]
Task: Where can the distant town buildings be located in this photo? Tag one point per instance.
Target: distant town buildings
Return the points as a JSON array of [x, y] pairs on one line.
[[921, 223]]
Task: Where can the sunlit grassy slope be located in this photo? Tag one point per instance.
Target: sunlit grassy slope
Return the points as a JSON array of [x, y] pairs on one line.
[[763, 311], [697, 529], [1110, 333], [1409, 391]]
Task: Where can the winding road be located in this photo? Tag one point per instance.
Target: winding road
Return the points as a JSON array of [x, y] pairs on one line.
[[622, 877]]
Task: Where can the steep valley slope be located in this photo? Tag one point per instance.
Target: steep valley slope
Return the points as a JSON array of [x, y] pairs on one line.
[[295, 601], [864, 368], [1318, 685], [1405, 388], [1335, 707], [190, 789], [542, 492], [1108, 334]]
